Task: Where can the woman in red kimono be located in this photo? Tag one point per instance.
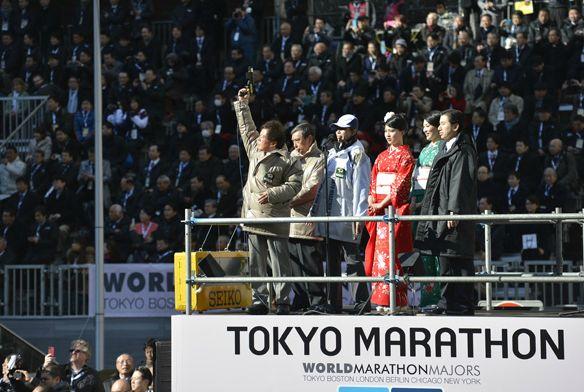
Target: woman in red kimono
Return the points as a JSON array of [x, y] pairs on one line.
[[390, 185]]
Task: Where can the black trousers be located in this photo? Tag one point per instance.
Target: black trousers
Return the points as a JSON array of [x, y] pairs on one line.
[[457, 297], [306, 257], [345, 251]]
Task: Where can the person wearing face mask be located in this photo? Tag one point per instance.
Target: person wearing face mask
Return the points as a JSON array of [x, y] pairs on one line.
[[390, 186], [344, 193], [222, 115], [274, 178]]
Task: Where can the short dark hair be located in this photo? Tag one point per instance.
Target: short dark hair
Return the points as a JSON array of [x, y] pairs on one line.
[[54, 370], [533, 200], [305, 128], [454, 117], [275, 132], [41, 210], [514, 174]]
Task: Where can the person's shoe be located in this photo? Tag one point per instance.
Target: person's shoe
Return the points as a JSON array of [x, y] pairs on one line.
[[361, 308], [432, 310], [258, 309], [465, 312], [282, 309]]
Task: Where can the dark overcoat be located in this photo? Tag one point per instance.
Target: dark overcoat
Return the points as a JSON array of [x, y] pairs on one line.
[[451, 188]]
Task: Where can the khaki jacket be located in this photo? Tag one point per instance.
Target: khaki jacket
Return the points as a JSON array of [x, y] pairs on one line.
[[312, 164], [275, 172]]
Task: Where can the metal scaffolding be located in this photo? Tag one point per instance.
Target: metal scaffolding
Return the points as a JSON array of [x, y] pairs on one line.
[[488, 277]]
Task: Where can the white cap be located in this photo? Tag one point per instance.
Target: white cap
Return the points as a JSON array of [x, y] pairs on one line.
[[347, 121]]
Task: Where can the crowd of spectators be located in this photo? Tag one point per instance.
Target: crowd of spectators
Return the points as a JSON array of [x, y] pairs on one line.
[[518, 78], [76, 375]]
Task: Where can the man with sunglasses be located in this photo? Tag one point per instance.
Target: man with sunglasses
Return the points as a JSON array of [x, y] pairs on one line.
[[79, 376]]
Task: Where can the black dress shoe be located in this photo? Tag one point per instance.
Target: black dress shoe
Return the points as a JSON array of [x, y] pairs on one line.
[[432, 309], [283, 309], [258, 309], [463, 312]]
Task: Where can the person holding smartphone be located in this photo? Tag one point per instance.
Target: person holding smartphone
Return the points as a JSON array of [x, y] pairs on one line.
[[274, 178]]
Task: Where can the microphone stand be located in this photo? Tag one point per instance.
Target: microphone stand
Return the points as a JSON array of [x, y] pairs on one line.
[[326, 144]]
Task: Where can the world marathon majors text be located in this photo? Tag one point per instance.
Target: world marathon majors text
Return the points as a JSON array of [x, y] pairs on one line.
[[498, 343], [392, 369]]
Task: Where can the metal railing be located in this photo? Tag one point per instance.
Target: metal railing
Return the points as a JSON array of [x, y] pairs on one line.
[[488, 277], [20, 117], [42, 290]]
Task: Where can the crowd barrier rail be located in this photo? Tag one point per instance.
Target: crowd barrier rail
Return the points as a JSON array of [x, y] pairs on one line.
[[488, 277]]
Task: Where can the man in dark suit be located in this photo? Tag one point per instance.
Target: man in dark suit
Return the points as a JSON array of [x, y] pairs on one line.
[[515, 194], [154, 167], [226, 197], [527, 165], [322, 114], [55, 117], [67, 169], [150, 45], [182, 169], [6, 256], [480, 129], [228, 86], [117, 233], [289, 84], [42, 240], [13, 232], [508, 72], [564, 164], [23, 202], [59, 203], [497, 161], [521, 51], [542, 131], [10, 59], [283, 41], [38, 173], [511, 128], [414, 75], [348, 62], [130, 198], [270, 65], [550, 193]]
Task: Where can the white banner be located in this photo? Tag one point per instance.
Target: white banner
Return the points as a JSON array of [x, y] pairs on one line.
[[375, 354], [135, 290]]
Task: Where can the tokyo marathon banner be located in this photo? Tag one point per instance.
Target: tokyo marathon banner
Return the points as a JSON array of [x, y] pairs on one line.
[[135, 290], [375, 354]]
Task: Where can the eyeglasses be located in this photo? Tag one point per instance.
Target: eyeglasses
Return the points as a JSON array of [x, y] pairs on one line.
[[75, 351]]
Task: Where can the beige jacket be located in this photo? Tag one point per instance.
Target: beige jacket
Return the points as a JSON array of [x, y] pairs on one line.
[[275, 172], [312, 164]]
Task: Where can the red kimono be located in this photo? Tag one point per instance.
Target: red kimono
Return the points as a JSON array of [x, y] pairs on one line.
[[391, 175]]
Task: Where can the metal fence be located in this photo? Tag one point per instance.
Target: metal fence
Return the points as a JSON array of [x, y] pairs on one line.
[[20, 117], [489, 277], [41, 290]]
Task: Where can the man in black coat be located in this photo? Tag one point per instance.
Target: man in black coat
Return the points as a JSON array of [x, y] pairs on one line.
[[13, 232], [42, 241], [6, 256], [527, 165], [496, 160], [452, 189], [154, 167], [117, 233], [23, 202]]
